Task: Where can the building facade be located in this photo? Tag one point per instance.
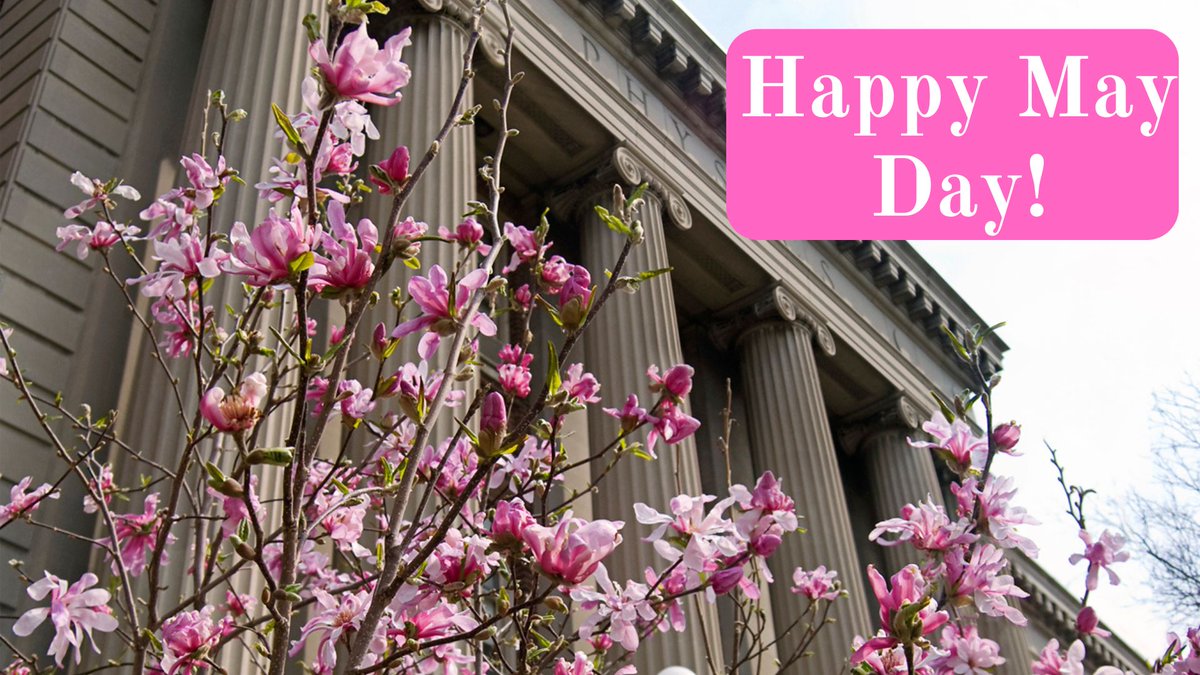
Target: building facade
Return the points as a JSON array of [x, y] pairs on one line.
[[828, 348]]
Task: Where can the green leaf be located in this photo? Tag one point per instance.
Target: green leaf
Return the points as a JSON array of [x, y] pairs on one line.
[[286, 125], [312, 26], [650, 274], [555, 378], [612, 222], [638, 193], [214, 472], [946, 411], [467, 432], [302, 263]]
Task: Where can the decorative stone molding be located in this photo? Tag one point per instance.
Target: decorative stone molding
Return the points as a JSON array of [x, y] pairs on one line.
[[627, 167], [776, 304], [898, 412], [910, 296], [459, 12], [634, 171], [668, 55]]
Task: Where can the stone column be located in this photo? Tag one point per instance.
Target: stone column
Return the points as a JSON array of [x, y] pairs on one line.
[[900, 475], [257, 54], [790, 435], [631, 333], [435, 56]]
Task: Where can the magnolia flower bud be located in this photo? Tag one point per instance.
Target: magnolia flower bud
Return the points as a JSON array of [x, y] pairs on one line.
[[726, 580], [1006, 436], [493, 424]]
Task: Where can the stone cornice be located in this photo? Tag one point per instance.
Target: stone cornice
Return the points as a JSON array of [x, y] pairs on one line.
[[674, 47], [908, 283], [777, 303]]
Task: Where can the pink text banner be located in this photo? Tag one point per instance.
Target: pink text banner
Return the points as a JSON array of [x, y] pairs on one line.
[[953, 134]]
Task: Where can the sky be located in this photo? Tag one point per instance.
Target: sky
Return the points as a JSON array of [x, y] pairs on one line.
[[1094, 328]]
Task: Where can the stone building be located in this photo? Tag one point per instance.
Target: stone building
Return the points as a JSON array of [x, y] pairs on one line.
[[830, 347]]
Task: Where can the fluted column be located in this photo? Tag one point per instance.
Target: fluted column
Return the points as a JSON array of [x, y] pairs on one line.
[[256, 52], [899, 474], [436, 59], [631, 333], [790, 435]]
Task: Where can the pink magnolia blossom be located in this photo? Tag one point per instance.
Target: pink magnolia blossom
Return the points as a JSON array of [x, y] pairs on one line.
[[1087, 622], [461, 461], [180, 320], [575, 298], [180, 260], [97, 194], [189, 637], [676, 382], [74, 611], [206, 181], [493, 423], [625, 608], [509, 523], [580, 386], [571, 551], [555, 272], [417, 389], [361, 70], [355, 401], [1006, 436], [672, 425], [468, 234], [690, 533], [926, 526], [819, 584], [966, 653], [441, 310], [1101, 554], [1053, 662], [103, 485], [22, 502], [341, 520], [100, 238], [514, 374], [523, 296], [178, 213], [1001, 519], [333, 618], [136, 535], [955, 442], [237, 411], [526, 246], [239, 604], [581, 665], [344, 261], [767, 499], [395, 171], [265, 256], [459, 561], [235, 508], [631, 414], [907, 588], [980, 578]]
